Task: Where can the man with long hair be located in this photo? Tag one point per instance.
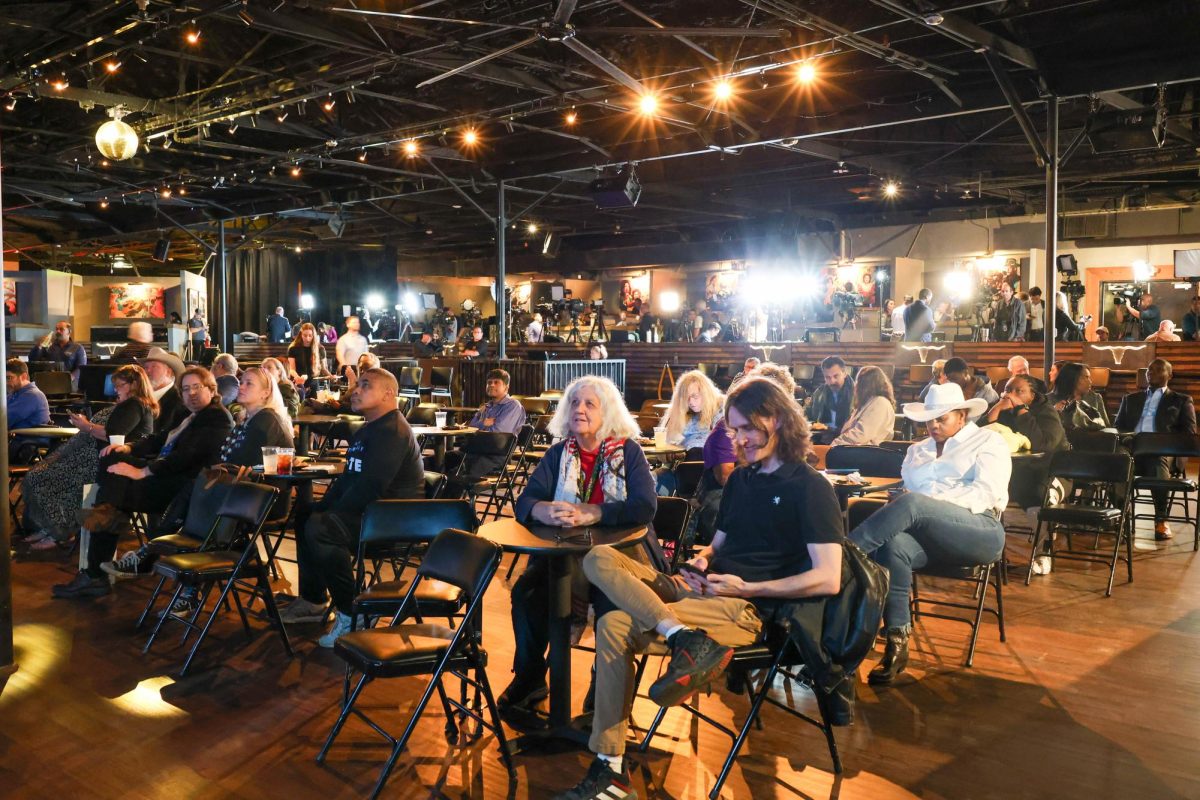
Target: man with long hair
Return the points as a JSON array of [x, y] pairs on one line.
[[779, 537]]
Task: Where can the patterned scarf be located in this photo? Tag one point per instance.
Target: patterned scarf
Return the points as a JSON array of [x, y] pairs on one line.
[[610, 461]]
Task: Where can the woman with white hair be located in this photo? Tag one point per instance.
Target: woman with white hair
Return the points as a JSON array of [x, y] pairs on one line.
[[267, 423], [596, 474]]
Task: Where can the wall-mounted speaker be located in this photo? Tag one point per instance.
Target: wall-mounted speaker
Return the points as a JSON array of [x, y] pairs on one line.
[[161, 249]]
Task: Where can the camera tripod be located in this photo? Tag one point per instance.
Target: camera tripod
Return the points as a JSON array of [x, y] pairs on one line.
[[573, 336], [598, 331]]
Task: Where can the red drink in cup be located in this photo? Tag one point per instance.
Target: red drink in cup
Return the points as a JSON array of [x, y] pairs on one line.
[[284, 462]]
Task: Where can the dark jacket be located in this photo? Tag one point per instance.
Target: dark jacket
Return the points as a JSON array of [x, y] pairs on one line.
[[822, 404], [383, 462], [245, 442], [198, 446], [1176, 412], [1044, 429], [918, 321], [423, 350], [278, 328], [640, 501], [130, 419], [171, 410], [1008, 321]]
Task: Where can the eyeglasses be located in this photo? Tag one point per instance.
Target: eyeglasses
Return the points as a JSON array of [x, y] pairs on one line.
[[194, 388], [120, 384]]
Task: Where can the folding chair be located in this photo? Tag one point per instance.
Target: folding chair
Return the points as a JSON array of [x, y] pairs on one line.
[[410, 382], [869, 460], [687, 478], [1089, 510], [441, 381], [467, 563], [776, 655], [487, 445], [422, 414], [231, 562], [339, 432], [670, 526], [1168, 446]]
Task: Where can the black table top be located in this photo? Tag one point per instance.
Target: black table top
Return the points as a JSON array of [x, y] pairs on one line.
[[548, 539]]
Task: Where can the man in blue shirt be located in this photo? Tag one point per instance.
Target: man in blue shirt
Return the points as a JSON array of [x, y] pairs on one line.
[[500, 414], [27, 408], [67, 356], [1191, 322]]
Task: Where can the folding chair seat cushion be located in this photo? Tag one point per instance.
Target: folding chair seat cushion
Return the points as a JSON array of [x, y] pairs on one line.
[[434, 598], [197, 567], [1166, 484], [398, 651], [954, 571], [174, 543], [1075, 514]]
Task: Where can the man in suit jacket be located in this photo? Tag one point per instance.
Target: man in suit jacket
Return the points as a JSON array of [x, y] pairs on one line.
[[1157, 410], [146, 476]]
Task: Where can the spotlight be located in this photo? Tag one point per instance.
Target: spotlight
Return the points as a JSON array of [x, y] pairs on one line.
[[245, 17], [60, 84], [112, 66], [374, 301], [104, 203], [648, 104], [1142, 270], [281, 116], [571, 117], [298, 249], [165, 192], [329, 103], [411, 303], [10, 104], [891, 189], [411, 148], [233, 126], [806, 72], [362, 156], [306, 300], [296, 171], [192, 36], [470, 137], [532, 227], [166, 143], [668, 302], [957, 284], [722, 90], [182, 191]]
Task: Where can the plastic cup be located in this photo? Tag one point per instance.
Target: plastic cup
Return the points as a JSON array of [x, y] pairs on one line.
[[284, 457], [660, 437], [116, 439], [270, 460], [439, 418]]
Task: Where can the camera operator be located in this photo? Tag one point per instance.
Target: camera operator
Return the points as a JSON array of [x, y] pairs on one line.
[[1008, 317], [1144, 311], [1065, 329]]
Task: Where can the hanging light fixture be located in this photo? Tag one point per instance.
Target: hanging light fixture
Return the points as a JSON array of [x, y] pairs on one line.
[[116, 139]]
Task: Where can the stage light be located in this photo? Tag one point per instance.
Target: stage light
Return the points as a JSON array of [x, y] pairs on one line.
[[669, 302], [60, 84], [192, 36], [571, 117], [307, 303], [165, 193], [806, 72], [882, 276], [722, 90], [470, 137], [1142, 270], [648, 104], [412, 303], [374, 301], [532, 227], [362, 156], [329, 103], [104, 203], [891, 189], [112, 66], [957, 284], [807, 285], [298, 249], [411, 148], [296, 171]]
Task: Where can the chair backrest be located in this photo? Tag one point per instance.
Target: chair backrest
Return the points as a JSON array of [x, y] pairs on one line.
[[1176, 445], [248, 503], [414, 520], [463, 560], [434, 483], [422, 414], [687, 477], [535, 405], [489, 443], [671, 518], [1093, 441], [899, 445], [1092, 467], [341, 431], [920, 373], [441, 377], [410, 377], [870, 461], [1100, 377], [53, 383], [997, 376]]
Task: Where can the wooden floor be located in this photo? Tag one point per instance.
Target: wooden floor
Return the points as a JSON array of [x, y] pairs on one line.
[[1089, 698]]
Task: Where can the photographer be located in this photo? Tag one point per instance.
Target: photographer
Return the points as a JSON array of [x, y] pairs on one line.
[[1065, 329], [847, 303], [1008, 317], [1144, 311]]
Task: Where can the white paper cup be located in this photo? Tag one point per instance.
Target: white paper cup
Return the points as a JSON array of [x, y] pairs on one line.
[[439, 418], [270, 460], [116, 439], [660, 437]]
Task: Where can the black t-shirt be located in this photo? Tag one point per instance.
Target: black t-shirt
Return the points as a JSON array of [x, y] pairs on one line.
[[1151, 316], [303, 358], [769, 519], [383, 462]]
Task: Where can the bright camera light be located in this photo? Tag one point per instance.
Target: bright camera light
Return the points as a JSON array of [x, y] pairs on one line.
[[374, 301], [722, 90], [669, 301], [957, 284], [307, 303], [412, 303], [1142, 270], [891, 189]]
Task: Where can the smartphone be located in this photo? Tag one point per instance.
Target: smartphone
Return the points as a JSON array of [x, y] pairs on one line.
[[692, 568]]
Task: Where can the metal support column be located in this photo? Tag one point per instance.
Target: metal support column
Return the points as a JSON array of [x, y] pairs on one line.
[[501, 304], [225, 341], [1051, 291]]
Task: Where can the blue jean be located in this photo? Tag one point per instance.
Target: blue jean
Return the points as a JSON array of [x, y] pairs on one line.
[[915, 531]]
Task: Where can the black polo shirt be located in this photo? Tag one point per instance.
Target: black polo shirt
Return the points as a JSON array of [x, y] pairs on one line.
[[769, 519]]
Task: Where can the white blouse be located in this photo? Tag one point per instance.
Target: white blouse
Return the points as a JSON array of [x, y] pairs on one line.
[[871, 424], [972, 472]]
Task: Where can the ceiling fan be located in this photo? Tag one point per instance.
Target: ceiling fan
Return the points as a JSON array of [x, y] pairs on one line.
[[559, 29]]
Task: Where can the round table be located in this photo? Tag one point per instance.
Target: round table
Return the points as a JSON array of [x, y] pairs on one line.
[[305, 423], [440, 436], [669, 452], [558, 544], [869, 485], [46, 432], [454, 411]]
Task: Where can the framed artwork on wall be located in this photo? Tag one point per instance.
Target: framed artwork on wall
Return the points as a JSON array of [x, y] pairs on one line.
[[10, 296], [136, 301]]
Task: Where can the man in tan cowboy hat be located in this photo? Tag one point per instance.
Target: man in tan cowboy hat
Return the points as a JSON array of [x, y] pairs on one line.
[[957, 488], [163, 369]]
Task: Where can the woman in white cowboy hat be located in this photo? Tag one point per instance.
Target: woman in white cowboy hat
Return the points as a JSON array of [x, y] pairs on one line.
[[957, 488]]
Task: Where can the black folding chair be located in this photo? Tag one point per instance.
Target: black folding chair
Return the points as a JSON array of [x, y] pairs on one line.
[[491, 445], [670, 526], [435, 483], [870, 461], [1104, 511], [338, 436], [441, 382], [232, 563], [687, 478], [468, 563], [409, 380], [1169, 446], [774, 655], [422, 414], [1093, 441]]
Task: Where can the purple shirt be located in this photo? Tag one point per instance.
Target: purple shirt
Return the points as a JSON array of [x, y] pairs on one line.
[[718, 447]]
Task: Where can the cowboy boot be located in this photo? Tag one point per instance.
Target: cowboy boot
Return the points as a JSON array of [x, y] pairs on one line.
[[895, 658]]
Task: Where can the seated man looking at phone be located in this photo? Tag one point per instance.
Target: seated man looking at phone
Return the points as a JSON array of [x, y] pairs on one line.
[[779, 537]]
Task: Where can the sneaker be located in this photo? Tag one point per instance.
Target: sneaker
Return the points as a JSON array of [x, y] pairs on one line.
[[1042, 565], [522, 693], [300, 611], [183, 607], [601, 783], [81, 586], [48, 542], [132, 565], [695, 660], [341, 626]]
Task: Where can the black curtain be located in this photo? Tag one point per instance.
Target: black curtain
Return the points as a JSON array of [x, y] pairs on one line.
[[260, 280]]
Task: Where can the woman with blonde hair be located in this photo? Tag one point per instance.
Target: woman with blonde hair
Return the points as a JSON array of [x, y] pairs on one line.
[[596, 474], [306, 357], [53, 489], [695, 408], [267, 423], [291, 400], [873, 415]]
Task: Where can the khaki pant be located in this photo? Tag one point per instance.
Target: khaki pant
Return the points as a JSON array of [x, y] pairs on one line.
[[645, 597]]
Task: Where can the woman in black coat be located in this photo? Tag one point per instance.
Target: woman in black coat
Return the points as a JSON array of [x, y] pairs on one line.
[[266, 423]]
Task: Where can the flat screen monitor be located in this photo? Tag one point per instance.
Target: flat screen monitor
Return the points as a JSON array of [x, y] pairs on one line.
[[109, 389], [429, 301], [1067, 265], [556, 293], [1187, 263]]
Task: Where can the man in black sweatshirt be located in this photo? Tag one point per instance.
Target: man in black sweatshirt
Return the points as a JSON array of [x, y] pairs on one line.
[[382, 463]]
